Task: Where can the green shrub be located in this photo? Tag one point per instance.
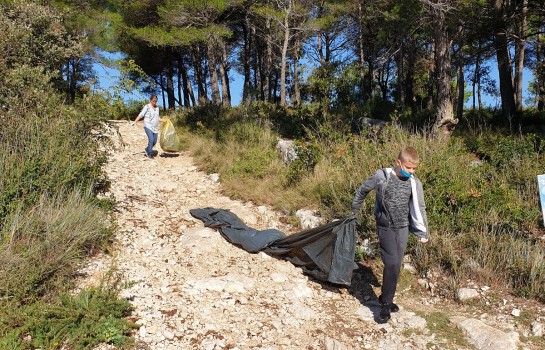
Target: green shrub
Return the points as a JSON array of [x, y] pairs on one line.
[[253, 163], [42, 39], [476, 120], [289, 122], [308, 156], [501, 150], [207, 115], [82, 322], [46, 146]]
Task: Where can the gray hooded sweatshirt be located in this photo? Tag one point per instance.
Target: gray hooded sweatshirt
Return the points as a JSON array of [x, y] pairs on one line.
[[418, 221]]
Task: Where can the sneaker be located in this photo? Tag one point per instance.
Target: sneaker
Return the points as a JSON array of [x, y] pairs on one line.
[[384, 314], [393, 306]]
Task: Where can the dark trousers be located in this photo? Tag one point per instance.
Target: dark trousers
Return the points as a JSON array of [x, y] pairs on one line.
[[152, 140], [393, 242]]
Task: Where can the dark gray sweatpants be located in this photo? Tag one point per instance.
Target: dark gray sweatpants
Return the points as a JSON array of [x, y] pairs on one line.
[[393, 242]]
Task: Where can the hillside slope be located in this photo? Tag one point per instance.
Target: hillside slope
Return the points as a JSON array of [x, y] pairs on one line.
[[191, 289]]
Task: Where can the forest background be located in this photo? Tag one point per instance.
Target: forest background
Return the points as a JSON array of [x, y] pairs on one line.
[[350, 81]]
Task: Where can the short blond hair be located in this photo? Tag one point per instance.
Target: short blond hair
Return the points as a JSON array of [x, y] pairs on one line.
[[408, 154]]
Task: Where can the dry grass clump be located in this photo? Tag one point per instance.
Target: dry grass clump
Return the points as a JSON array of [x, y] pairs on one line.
[[49, 239]]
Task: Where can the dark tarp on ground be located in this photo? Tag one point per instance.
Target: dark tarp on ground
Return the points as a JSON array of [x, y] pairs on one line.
[[329, 248]]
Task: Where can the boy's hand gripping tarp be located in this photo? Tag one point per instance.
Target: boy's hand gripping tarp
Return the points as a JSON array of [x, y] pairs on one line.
[[168, 139], [327, 250]]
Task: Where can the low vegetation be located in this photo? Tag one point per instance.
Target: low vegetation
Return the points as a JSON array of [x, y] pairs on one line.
[[480, 184], [50, 217]]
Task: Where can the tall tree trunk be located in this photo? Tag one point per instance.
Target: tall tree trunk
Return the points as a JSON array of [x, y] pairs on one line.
[[445, 121], [274, 89], [296, 83], [384, 77], [258, 76], [400, 96], [225, 93], [179, 87], [212, 69], [409, 79], [319, 47], [540, 72], [226, 66], [268, 90], [370, 81], [284, 60], [162, 90], [71, 76], [361, 51], [71, 69], [479, 94], [477, 75], [429, 100], [199, 75], [257, 48], [189, 96], [319, 34], [520, 49], [327, 46], [247, 57], [460, 83], [504, 63], [170, 88]]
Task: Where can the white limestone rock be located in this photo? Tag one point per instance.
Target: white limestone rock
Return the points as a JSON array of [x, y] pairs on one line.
[[308, 219], [287, 151], [485, 337], [465, 294]]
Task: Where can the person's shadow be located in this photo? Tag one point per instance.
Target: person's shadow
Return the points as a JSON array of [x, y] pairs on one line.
[[169, 155], [361, 288]]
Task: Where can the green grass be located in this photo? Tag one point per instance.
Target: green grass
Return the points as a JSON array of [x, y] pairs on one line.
[[447, 335], [82, 322], [43, 244]]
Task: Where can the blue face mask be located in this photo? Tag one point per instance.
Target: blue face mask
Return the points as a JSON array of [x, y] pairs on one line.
[[404, 173]]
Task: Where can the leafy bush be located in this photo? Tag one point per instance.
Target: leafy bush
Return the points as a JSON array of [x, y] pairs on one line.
[[476, 120], [82, 322], [501, 150], [46, 147], [42, 40], [254, 163], [207, 115], [288, 122], [308, 156]]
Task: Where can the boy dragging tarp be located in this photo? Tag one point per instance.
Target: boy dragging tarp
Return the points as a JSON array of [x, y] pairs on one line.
[[399, 207]]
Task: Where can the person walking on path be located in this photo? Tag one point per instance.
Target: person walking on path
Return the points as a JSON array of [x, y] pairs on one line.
[[150, 114], [399, 208]]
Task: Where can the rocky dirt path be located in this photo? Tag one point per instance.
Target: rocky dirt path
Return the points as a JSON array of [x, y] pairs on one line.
[[191, 289]]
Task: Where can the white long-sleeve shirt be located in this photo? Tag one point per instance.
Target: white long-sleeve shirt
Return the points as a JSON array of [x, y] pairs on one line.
[[151, 117]]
